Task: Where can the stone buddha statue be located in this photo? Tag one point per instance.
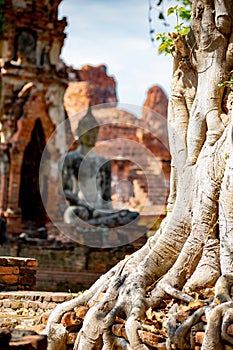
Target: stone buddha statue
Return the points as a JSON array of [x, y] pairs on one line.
[[86, 180]]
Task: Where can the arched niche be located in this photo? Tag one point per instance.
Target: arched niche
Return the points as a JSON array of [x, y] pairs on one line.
[[30, 201]]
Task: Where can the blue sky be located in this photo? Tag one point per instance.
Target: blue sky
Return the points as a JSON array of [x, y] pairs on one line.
[[116, 33]]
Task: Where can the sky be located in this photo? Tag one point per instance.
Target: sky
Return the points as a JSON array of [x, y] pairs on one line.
[[116, 33]]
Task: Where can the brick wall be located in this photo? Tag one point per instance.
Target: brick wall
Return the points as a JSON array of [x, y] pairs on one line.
[[17, 273], [63, 264], [23, 315]]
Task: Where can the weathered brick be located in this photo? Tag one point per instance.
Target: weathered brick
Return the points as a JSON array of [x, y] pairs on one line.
[[58, 298], [25, 304], [230, 329], [13, 261], [51, 306], [199, 337], [6, 270], [7, 304], [15, 305], [72, 337], [27, 280], [10, 279], [27, 271], [32, 262], [15, 270]]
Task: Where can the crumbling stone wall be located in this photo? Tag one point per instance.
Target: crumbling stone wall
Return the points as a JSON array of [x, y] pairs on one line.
[[17, 273], [138, 147], [32, 86], [33, 83], [89, 85]]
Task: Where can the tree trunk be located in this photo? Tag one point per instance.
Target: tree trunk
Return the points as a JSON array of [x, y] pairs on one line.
[[193, 248]]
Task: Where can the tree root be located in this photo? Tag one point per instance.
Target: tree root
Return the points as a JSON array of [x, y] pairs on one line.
[[100, 316], [208, 268], [212, 338], [223, 288], [159, 269], [178, 336], [122, 291], [227, 321]]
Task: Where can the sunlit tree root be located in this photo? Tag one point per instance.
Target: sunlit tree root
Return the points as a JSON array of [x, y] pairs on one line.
[[216, 330], [122, 291], [171, 259], [188, 253], [178, 336]]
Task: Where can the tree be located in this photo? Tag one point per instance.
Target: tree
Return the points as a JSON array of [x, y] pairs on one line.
[[193, 248]]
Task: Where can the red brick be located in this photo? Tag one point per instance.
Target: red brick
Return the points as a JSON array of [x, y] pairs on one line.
[[199, 337], [51, 306], [72, 337], [230, 329], [58, 298], [27, 271], [15, 270], [32, 262], [10, 279], [31, 280], [7, 304], [5, 270]]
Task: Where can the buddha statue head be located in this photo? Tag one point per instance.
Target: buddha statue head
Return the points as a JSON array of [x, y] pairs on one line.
[[88, 129]]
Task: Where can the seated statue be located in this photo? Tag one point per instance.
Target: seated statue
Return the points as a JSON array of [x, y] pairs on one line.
[[86, 180]]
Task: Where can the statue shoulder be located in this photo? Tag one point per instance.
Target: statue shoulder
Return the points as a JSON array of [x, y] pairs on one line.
[[69, 159], [105, 165], [73, 157]]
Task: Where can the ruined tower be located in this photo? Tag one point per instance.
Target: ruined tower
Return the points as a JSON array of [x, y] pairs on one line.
[[32, 86]]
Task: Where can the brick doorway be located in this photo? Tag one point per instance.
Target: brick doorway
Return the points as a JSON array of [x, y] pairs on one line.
[[29, 194]]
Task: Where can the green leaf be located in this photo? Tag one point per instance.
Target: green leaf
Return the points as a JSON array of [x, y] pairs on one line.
[[181, 9], [171, 10], [161, 48], [165, 46], [184, 31], [187, 2], [182, 12], [186, 14], [178, 27]]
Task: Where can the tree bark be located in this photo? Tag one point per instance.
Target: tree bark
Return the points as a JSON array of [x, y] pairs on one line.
[[193, 248]]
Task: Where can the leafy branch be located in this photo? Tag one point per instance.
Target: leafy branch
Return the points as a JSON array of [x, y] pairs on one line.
[[182, 14]]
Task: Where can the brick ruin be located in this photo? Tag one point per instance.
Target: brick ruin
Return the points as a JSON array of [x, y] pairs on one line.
[[137, 147], [34, 101], [89, 85], [39, 93], [32, 89], [17, 273], [33, 84]]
